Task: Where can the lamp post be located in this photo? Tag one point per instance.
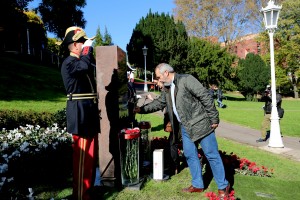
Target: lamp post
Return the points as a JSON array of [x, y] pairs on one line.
[[145, 82], [271, 14]]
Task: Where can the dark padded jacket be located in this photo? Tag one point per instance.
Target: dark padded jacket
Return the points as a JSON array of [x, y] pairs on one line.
[[195, 107]]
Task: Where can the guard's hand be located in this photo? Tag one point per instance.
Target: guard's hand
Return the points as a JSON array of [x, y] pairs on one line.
[[214, 126], [137, 110], [87, 43]]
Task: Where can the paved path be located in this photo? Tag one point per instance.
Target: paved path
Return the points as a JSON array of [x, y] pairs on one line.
[[249, 136]]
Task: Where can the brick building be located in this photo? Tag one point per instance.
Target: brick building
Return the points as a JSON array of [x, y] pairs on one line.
[[246, 44]]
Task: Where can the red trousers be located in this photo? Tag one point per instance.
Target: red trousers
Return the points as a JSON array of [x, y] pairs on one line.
[[85, 151]]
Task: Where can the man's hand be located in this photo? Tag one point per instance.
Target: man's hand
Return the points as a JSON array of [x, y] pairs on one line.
[[87, 43], [137, 110], [214, 126]]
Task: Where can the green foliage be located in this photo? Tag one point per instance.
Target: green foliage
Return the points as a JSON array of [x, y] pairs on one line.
[[37, 31], [287, 45], [45, 157], [13, 22], [60, 117], [52, 46], [98, 41], [210, 63], [101, 40], [59, 15], [253, 76], [166, 41], [10, 119]]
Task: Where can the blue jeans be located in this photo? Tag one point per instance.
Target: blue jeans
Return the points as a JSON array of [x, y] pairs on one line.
[[220, 104], [210, 148]]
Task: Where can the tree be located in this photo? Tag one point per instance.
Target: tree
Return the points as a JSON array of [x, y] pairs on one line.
[[12, 24], [253, 76], [107, 40], [38, 38], [58, 15], [101, 40], [225, 20], [288, 37], [98, 39], [166, 41], [210, 63], [287, 47]]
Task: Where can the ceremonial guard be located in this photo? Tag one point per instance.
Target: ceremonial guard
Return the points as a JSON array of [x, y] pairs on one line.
[[83, 115]]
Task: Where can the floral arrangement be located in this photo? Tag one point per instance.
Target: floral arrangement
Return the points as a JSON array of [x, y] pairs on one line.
[[159, 143], [129, 149], [27, 142], [214, 196], [250, 168]]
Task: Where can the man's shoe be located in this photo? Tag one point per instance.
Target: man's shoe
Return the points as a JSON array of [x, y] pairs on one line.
[[224, 193], [260, 140], [192, 189]]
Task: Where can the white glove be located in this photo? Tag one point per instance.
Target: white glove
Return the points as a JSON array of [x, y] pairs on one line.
[[87, 43]]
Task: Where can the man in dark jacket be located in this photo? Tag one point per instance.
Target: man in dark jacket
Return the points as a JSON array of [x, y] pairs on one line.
[[82, 109], [190, 105], [132, 99], [265, 125]]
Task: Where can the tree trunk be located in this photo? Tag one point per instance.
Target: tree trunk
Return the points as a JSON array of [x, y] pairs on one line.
[[295, 91]]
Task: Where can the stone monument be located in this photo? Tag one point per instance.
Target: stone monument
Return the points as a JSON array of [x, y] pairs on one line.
[[112, 91]]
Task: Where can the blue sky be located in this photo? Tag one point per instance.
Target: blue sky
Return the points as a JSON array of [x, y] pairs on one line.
[[118, 16]]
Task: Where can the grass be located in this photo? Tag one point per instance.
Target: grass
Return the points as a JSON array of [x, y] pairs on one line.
[[250, 114], [26, 86]]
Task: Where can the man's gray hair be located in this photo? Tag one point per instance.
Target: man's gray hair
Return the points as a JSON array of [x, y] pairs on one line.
[[164, 67]]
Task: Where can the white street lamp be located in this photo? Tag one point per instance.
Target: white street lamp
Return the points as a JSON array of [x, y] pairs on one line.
[[271, 14], [145, 81]]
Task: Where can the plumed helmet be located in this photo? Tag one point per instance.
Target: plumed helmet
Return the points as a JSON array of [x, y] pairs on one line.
[[74, 34]]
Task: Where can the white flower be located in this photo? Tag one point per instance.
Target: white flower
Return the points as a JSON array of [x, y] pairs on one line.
[[10, 179], [5, 156], [29, 126], [37, 127], [24, 146], [16, 153], [4, 146], [9, 136], [3, 168], [28, 132], [18, 136]]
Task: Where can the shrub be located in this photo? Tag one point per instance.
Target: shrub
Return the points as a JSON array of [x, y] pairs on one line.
[[10, 119], [31, 156]]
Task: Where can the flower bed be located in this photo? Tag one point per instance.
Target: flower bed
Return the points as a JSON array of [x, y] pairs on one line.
[[31, 155]]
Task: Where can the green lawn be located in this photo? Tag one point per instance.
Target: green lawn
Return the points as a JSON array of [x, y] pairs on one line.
[[250, 114]]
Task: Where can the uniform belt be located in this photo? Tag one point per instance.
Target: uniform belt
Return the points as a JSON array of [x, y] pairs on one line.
[[81, 96]]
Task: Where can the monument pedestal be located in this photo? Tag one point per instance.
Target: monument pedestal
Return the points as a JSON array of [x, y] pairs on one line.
[[111, 76]]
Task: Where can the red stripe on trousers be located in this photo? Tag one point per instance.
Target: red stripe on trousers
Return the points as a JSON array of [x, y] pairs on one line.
[[84, 165]]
